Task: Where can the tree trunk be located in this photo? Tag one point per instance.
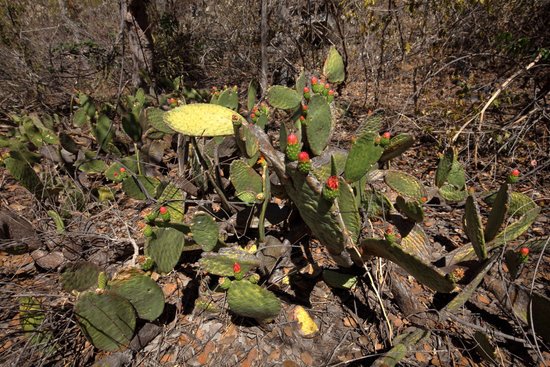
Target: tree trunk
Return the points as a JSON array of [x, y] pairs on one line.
[[140, 40]]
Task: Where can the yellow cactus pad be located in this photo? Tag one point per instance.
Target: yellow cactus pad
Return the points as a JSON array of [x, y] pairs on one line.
[[308, 327], [202, 119]]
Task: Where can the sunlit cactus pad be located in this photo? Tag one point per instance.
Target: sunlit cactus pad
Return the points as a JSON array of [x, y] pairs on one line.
[[202, 119], [251, 300]]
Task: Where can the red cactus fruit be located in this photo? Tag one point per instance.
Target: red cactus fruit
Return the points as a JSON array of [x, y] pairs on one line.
[[327, 86], [304, 107], [423, 199], [331, 92], [332, 182], [163, 210], [122, 170], [236, 268], [306, 90], [292, 139], [115, 174], [303, 157], [252, 115], [524, 251], [314, 80], [515, 173], [386, 135], [302, 118]]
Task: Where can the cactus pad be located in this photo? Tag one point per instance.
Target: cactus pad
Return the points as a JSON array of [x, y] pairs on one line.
[[334, 68], [405, 184], [172, 198], [283, 97], [339, 280], [133, 190], [229, 98], [142, 292], [517, 228], [80, 276], [411, 209], [319, 124], [456, 175], [108, 320], [498, 213], [473, 227], [221, 263], [444, 166], [251, 300], [205, 231], [165, 248], [452, 194], [202, 119], [422, 271], [361, 157], [377, 204], [398, 144], [247, 182], [348, 210], [26, 176], [155, 118]]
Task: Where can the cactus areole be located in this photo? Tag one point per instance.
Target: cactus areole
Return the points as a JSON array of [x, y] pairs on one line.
[[202, 119]]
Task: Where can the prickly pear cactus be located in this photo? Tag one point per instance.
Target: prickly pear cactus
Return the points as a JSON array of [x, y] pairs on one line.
[[205, 231], [221, 263], [397, 146], [247, 182], [24, 173], [155, 118], [405, 184], [283, 97], [473, 227], [250, 300], [143, 293], [172, 199], [498, 213], [80, 276], [202, 119], [165, 247], [422, 271], [410, 208], [229, 98], [444, 166], [134, 190], [318, 124], [333, 67], [363, 154], [108, 320]]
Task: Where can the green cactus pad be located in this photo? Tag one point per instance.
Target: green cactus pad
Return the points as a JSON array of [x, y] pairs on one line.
[[517, 228], [80, 276], [93, 166], [444, 166], [205, 231], [473, 227], [377, 204], [498, 213], [335, 279], [300, 83], [452, 194], [423, 272], [518, 203], [319, 124], [322, 165], [252, 92], [456, 175], [348, 210], [405, 184], [415, 241], [172, 198], [250, 300], [411, 209], [229, 98], [108, 320], [221, 263], [283, 97], [247, 182], [372, 124], [103, 131], [202, 119], [250, 143], [155, 118], [363, 154], [398, 144], [142, 292], [26, 176], [165, 248], [334, 68], [59, 225], [133, 190]]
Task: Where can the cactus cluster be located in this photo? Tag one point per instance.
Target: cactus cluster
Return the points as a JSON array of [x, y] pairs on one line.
[[107, 311]]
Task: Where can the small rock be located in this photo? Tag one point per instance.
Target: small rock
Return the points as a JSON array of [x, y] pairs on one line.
[[47, 261]]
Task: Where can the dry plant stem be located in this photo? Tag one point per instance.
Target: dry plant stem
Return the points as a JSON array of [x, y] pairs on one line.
[[371, 280], [487, 330], [225, 204], [267, 194], [488, 104]]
